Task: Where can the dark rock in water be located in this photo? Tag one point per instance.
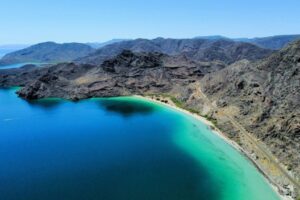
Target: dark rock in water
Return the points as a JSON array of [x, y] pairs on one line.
[[35, 91]]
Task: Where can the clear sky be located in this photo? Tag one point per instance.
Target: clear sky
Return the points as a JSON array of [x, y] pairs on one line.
[[33, 21]]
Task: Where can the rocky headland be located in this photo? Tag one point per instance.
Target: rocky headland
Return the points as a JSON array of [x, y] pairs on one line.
[[253, 98]]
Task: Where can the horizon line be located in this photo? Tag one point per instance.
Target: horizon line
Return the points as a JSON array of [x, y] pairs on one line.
[[103, 41]]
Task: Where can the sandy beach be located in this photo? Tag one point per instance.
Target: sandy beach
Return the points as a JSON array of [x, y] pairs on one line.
[[215, 130]]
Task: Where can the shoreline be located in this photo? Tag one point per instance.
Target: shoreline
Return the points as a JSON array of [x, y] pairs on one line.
[[223, 136], [169, 103]]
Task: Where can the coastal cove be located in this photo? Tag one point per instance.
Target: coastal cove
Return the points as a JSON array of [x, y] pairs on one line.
[[117, 148]]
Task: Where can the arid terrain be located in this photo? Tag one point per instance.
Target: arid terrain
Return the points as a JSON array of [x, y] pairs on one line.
[[250, 93]]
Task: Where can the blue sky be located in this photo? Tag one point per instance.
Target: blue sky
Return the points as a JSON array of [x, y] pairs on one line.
[[33, 21]]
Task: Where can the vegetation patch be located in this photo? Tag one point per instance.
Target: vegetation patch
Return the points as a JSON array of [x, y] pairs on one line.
[[211, 119]]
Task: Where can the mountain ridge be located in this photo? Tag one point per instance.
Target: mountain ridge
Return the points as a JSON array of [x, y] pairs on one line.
[[81, 53], [47, 52], [207, 50], [271, 42]]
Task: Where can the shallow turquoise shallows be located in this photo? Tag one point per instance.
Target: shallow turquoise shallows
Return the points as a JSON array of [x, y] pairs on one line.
[[116, 149], [18, 65]]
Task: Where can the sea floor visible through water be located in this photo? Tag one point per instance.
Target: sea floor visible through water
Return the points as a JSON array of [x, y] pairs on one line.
[[117, 148]]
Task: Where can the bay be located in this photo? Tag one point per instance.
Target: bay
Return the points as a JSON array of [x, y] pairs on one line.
[[117, 148]]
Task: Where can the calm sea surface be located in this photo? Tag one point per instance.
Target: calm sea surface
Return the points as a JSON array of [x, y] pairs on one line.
[[116, 149]]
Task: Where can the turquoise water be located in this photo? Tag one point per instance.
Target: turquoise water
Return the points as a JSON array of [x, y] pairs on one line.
[[13, 66], [18, 65], [116, 149]]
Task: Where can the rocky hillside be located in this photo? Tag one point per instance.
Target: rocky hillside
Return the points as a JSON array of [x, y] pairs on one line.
[[226, 51], [48, 52], [126, 74], [264, 97]]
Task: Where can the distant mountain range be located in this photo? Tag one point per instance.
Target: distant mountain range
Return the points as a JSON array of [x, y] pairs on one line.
[[5, 49], [48, 52], [272, 42], [204, 48], [227, 51], [97, 45]]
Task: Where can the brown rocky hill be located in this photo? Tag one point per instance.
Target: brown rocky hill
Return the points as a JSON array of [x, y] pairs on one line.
[[126, 74], [264, 97]]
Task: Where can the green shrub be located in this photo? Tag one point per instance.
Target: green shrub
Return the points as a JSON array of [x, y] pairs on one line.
[[176, 102], [180, 104], [193, 111], [211, 119]]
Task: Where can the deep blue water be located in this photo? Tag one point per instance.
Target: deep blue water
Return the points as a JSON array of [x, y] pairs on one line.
[[117, 149], [113, 149]]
